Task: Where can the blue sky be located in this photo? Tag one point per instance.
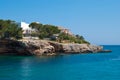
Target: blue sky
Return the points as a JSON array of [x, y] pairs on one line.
[[97, 20]]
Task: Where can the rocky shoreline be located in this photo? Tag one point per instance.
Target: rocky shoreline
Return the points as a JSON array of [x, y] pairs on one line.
[[42, 47]]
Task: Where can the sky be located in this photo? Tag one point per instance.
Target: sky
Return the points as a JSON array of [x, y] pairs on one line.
[[97, 20]]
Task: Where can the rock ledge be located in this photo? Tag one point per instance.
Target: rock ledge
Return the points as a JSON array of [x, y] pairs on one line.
[[42, 47]]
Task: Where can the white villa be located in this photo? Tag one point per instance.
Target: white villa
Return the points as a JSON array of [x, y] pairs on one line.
[[27, 31]]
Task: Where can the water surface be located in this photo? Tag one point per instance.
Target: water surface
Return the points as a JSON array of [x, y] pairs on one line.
[[101, 66]]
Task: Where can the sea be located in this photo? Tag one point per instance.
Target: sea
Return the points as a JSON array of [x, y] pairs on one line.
[[92, 66]]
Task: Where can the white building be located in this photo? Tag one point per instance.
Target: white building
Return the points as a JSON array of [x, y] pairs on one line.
[[27, 31]]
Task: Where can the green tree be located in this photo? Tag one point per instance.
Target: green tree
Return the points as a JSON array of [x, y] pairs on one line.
[[10, 29], [76, 39], [79, 37], [35, 25], [44, 31], [50, 29]]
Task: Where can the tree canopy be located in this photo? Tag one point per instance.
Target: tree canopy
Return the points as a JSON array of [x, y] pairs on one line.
[[44, 31], [10, 29]]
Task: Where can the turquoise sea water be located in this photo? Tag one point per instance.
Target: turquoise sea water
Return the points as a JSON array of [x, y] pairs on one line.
[[101, 66]]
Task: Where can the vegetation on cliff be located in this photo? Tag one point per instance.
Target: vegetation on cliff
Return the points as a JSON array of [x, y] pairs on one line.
[[44, 31], [54, 33], [10, 29], [74, 39]]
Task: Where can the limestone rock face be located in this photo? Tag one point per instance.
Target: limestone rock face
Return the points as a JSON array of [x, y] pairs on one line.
[[12, 47], [42, 47], [94, 48], [76, 48], [38, 47]]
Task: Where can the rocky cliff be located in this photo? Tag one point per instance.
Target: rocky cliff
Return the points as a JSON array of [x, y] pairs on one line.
[[76, 48], [12, 47], [41, 47], [38, 47]]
